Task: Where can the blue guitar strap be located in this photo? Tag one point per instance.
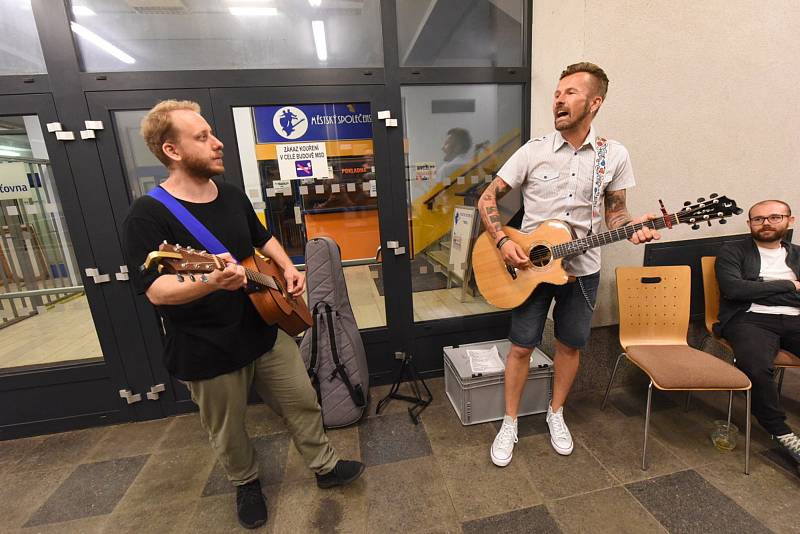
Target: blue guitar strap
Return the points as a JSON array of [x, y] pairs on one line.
[[195, 227]]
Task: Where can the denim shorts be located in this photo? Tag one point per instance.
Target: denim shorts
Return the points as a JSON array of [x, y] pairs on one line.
[[572, 314]]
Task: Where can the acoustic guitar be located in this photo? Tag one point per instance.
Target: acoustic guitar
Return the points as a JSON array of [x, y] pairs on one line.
[[505, 286], [266, 285]]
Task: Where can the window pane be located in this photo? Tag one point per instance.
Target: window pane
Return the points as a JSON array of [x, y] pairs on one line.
[[44, 315], [20, 51], [133, 35], [460, 33], [458, 137]]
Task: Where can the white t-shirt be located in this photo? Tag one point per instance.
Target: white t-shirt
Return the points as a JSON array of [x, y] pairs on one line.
[[556, 182], [773, 267]]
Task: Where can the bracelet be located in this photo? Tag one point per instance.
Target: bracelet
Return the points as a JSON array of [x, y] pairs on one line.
[[502, 241]]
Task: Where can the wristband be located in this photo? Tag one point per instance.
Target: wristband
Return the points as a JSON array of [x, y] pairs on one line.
[[502, 241]]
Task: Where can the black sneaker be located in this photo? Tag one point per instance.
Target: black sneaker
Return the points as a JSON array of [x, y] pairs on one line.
[[251, 505], [345, 472], [790, 444]]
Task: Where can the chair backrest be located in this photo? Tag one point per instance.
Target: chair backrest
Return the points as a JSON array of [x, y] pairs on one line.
[[710, 291], [653, 304]]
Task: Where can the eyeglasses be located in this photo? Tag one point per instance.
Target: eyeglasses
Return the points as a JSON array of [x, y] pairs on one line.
[[775, 218]]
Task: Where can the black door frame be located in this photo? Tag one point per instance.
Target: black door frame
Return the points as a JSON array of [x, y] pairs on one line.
[[380, 343], [102, 106], [69, 395]]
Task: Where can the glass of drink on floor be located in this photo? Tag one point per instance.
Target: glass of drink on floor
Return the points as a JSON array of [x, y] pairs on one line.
[[724, 435]]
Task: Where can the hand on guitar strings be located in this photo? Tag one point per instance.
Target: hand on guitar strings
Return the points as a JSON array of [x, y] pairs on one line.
[[645, 233], [295, 281], [514, 255], [231, 278]]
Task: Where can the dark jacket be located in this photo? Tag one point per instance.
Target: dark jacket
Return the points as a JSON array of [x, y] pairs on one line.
[[738, 266]]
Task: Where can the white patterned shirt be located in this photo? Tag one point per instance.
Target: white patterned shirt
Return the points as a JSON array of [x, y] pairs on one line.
[[556, 182]]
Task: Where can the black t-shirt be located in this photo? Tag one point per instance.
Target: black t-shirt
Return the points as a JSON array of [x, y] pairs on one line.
[[222, 331]]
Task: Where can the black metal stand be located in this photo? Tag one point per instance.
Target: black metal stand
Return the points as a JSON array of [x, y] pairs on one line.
[[414, 380]]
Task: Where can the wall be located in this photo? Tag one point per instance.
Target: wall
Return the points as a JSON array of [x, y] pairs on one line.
[[701, 93]]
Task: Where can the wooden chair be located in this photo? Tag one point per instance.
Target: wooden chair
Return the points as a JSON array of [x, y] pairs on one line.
[[783, 360], [653, 324]]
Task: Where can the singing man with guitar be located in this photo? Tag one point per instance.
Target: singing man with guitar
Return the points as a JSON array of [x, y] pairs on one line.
[[564, 175], [215, 340]]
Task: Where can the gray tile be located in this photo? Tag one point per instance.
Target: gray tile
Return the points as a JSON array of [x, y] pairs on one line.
[[769, 493], [23, 493], [180, 474], [408, 496], [271, 452], [260, 420], [535, 519], [392, 438], [592, 512], [529, 425], [617, 445], [168, 517], [130, 439], [343, 440], [323, 510], [686, 502], [446, 432], [478, 488], [557, 476], [60, 450], [92, 489], [86, 525]]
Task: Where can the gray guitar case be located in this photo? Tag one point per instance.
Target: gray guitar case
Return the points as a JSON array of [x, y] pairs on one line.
[[332, 348]]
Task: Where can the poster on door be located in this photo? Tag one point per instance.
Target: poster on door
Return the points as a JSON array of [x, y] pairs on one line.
[[14, 183], [302, 161], [461, 239]]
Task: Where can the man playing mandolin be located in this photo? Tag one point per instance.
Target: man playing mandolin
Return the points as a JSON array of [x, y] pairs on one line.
[[215, 341], [563, 175]]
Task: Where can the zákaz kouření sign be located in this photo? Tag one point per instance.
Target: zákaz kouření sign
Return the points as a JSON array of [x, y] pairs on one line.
[[298, 161], [14, 182]]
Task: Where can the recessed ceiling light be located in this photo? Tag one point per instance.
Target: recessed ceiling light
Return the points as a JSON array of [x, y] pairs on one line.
[[82, 11], [101, 43], [249, 11], [318, 28]]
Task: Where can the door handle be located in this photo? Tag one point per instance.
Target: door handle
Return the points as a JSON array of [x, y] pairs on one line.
[[395, 246], [129, 397], [154, 391], [122, 275], [94, 274]]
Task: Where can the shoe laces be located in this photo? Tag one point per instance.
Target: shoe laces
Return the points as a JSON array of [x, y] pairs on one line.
[[791, 442], [558, 426], [249, 494], [507, 435]]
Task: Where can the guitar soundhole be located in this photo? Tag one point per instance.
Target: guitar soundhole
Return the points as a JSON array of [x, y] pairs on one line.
[[541, 256]]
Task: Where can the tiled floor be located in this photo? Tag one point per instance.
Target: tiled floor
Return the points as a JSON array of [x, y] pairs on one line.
[[161, 476]]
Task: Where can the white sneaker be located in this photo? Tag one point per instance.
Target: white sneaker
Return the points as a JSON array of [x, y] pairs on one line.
[[560, 438], [503, 445]]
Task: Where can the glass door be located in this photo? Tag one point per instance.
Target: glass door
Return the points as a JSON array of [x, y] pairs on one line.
[[58, 364], [130, 171], [314, 162]]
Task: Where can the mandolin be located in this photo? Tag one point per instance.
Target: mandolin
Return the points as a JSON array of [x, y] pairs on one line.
[[266, 285], [505, 286]]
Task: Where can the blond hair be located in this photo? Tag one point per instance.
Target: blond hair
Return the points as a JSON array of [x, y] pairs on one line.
[[156, 127]]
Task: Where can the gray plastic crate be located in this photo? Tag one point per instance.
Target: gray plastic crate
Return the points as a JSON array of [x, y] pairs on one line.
[[480, 399]]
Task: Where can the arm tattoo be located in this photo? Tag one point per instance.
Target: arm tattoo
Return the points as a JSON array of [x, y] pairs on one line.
[[487, 205], [616, 210]]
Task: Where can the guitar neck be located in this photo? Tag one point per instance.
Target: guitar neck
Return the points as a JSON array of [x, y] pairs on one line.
[[583, 244]]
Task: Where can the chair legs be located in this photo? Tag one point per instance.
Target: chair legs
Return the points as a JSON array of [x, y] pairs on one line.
[[647, 425], [781, 370], [747, 435], [611, 380], [688, 400]]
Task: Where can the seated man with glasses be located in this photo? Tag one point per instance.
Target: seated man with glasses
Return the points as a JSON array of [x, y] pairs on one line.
[[759, 310]]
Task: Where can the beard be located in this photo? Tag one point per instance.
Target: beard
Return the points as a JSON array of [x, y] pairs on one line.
[[769, 234], [569, 124], [201, 168]]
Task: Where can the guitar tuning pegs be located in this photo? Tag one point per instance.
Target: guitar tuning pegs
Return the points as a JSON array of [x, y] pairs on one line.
[[701, 199], [738, 211], [192, 278], [180, 277], [713, 195], [709, 223], [695, 226], [687, 203], [723, 221]]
